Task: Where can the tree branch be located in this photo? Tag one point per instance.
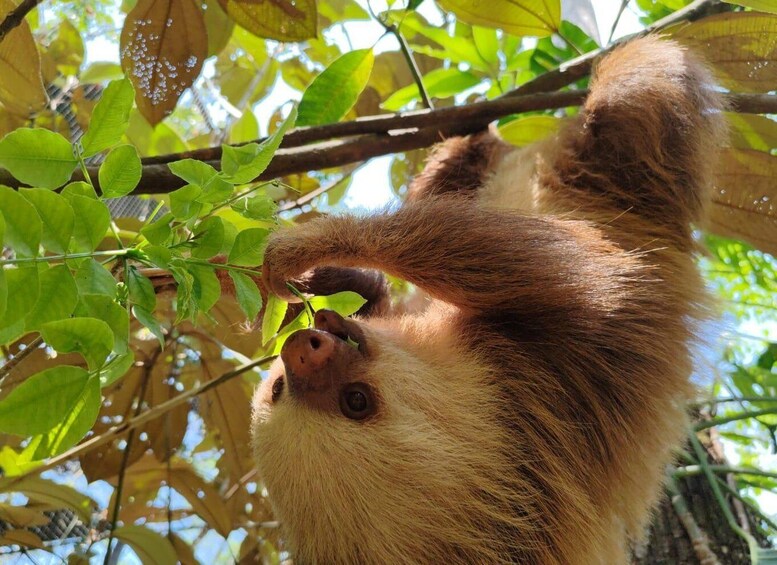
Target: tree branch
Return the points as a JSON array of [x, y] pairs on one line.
[[384, 123], [379, 135], [16, 16]]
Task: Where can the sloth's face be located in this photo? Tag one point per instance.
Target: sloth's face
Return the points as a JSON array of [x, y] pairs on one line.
[[360, 421]]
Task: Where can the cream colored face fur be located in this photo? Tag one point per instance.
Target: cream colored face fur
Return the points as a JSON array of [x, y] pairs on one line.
[[425, 464]]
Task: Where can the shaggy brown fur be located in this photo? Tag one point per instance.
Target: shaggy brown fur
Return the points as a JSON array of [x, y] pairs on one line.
[[527, 414]]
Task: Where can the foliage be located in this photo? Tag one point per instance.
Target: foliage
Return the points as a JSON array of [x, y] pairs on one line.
[[123, 356]]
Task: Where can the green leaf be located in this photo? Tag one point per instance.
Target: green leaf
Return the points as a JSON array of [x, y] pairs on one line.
[[93, 221], [149, 321], [274, 313], [244, 129], [344, 303], [57, 217], [159, 232], [158, 255], [487, 44], [53, 495], [244, 164], [90, 337], [183, 203], [120, 172], [105, 308], [116, 368], [529, 129], [79, 188], [247, 293], [439, 83], [22, 223], [109, 117], [141, 290], [214, 187], [49, 395], [57, 300], [258, 207], [208, 238], [78, 421], [520, 17], [2, 229], [150, 547], [248, 249], [37, 157], [92, 278], [206, 288], [24, 287], [335, 91]]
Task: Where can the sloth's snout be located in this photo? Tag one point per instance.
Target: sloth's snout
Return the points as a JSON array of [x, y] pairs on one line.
[[305, 354]]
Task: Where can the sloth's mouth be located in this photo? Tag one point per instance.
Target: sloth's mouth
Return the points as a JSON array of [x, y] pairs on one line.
[[344, 329]]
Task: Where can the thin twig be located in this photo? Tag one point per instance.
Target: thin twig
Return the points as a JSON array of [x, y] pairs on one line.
[[306, 198], [624, 3], [151, 414], [147, 370], [699, 540], [720, 420], [750, 506], [408, 53], [16, 17], [691, 470], [6, 369], [707, 469]]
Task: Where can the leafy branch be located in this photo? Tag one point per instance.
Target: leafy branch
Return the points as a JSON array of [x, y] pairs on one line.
[[142, 418], [16, 16]]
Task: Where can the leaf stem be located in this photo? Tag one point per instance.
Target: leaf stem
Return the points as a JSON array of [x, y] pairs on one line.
[[50, 258], [706, 468]]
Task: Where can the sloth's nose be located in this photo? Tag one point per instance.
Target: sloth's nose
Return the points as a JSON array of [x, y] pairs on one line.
[[305, 354]]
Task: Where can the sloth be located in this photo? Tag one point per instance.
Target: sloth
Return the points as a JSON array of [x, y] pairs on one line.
[[525, 413]]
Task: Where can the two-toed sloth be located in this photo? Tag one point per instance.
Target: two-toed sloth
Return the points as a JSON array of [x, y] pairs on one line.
[[528, 412]]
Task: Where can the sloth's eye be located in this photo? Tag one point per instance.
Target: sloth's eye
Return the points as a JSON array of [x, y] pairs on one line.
[[356, 401], [277, 388]]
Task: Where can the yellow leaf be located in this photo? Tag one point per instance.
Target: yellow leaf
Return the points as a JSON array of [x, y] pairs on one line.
[[24, 538], [21, 86], [740, 46], [184, 550], [148, 473], [163, 45], [284, 20], [21, 516], [58, 496], [150, 547], [519, 17], [745, 199]]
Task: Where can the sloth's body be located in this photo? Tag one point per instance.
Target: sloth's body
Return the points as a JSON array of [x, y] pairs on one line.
[[526, 415]]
